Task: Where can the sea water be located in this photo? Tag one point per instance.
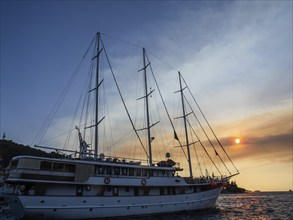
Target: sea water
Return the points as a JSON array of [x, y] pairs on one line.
[[263, 205]]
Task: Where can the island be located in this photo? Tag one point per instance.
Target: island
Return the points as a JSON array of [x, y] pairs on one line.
[[232, 187]]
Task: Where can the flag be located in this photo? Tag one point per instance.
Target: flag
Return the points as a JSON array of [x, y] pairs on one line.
[[175, 136], [216, 152]]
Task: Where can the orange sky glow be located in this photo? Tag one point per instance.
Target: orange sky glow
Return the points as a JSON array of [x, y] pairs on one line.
[[264, 156]]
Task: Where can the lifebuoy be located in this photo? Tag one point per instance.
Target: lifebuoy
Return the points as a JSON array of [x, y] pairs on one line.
[[143, 181], [107, 180]]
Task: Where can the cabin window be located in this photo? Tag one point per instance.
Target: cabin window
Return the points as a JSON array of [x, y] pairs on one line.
[[174, 190], [146, 191], [136, 191], [69, 167], [109, 189], [144, 172], [182, 190], [13, 164], [116, 170], [138, 172], [126, 188], [79, 190], [124, 171], [115, 191], [159, 173], [109, 170], [168, 173], [162, 191], [101, 169], [151, 172], [58, 166], [131, 172], [45, 165]]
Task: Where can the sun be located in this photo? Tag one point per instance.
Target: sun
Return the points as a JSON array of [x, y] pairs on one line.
[[237, 141]]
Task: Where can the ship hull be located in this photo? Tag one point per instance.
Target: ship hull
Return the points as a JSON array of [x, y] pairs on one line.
[[48, 207]]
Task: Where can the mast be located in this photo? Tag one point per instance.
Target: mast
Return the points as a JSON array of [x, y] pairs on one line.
[[97, 97], [185, 126], [147, 108]]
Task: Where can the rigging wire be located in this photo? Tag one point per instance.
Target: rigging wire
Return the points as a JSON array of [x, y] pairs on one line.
[[209, 124], [124, 104], [73, 118], [167, 64], [87, 102], [206, 135], [203, 146], [123, 41], [42, 131], [196, 154], [57, 136], [165, 107]]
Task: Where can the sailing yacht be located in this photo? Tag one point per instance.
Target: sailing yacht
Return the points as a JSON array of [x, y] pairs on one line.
[[90, 184]]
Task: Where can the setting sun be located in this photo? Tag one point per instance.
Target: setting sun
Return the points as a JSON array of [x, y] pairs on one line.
[[237, 141]]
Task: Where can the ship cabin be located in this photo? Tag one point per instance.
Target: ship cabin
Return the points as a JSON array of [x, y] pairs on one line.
[[28, 175]]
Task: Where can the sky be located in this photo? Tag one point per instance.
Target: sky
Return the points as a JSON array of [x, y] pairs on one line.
[[235, 55]]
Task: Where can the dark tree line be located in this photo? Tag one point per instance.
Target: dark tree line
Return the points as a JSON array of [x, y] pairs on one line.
[[9, 149]]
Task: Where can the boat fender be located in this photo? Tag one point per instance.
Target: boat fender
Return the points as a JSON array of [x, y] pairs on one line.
[[107, 180], [143, 182], [213, 184]]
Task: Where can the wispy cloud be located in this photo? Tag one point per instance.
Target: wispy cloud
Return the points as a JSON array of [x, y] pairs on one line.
[[236, 56], [263, 136]]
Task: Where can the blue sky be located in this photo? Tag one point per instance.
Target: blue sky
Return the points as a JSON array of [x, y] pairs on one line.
[[237, 55]]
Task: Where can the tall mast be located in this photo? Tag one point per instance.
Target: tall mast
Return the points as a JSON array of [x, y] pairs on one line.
[[185, 126], [97, 96], [147, 108]]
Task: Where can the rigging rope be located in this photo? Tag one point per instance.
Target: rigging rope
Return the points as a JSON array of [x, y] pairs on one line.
[[126, 42], [208, 124], [203, 146], [206, 135], [42, 131], [173, 127], [120, 94]]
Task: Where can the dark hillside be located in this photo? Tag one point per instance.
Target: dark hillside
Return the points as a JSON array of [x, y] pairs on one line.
[[9, 149]]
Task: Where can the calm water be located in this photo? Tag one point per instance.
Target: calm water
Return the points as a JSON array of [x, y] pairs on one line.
[[268, 205]]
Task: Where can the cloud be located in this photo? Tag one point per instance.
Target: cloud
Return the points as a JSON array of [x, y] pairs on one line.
[[266, 136], [237, 55]]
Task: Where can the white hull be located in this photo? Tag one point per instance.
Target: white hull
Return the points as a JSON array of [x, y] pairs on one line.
[[38, 207]]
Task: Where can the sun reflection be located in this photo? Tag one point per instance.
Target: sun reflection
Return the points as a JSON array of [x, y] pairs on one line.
[[237, 141]]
